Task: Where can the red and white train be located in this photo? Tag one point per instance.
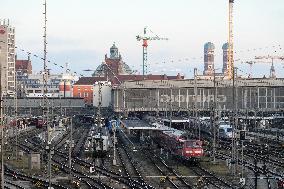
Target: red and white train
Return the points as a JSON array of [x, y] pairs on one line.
[[177, 142]]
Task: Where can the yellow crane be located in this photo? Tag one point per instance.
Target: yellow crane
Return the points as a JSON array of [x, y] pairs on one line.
[[230, 70]]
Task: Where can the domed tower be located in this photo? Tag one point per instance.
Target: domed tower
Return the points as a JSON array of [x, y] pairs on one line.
[[114, 52], [113, 65], [209, 58], [225, 48]]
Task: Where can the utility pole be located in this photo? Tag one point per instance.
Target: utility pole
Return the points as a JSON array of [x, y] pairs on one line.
[[195, 103], [171, 111], [234, 121], [45, 100], [114, 147], [70, 149], [255, 173], [214, 117], [16, 115], [2, 130], [98, 140]]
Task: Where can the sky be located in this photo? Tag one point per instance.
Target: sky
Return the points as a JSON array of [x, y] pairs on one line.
[[81, 32]]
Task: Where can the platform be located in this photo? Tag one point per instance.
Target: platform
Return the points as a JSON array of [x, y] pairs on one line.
[[137, 125]]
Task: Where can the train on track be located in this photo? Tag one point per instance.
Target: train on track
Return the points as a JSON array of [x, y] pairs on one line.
[[178, 143]]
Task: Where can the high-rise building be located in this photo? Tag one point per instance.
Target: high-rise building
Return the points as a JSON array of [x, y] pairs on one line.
[[225, 48], [7, 57], [209, 58]]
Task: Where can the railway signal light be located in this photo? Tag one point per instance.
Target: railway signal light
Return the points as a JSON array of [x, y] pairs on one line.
[[92, 169], [242, 135], [242, 181], [162, 179]]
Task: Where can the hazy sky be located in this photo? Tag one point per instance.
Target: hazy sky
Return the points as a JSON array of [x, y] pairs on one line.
[[81, 32]]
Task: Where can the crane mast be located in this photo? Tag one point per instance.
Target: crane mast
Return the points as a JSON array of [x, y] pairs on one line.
[[231, 42]]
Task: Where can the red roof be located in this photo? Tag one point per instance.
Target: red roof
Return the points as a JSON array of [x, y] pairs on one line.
[[89, 80]]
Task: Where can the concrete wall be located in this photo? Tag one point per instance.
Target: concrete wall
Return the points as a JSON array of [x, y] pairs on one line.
[[52, 102]]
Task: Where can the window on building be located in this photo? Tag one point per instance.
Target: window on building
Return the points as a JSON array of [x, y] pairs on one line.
[[79, 94], [86, 94]]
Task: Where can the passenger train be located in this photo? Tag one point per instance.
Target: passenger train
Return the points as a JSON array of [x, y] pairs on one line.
[[225, 130], [177, 143]]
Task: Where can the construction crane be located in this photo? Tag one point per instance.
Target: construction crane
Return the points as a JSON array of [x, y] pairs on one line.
[[230, 69], [250, 63], [145, 40], [272, 58]]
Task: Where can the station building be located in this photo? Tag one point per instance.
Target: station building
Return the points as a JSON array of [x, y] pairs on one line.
[[265, 94]]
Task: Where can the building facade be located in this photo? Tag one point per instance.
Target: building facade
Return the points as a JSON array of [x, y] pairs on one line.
[[58, 85], [102, 94], [178, 95], [7, 57], [23, 67], [84, 88]]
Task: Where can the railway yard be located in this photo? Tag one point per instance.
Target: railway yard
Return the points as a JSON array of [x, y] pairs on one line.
[[134, 152]]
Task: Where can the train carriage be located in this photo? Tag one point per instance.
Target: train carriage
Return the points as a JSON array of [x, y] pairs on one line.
[[177, 142]]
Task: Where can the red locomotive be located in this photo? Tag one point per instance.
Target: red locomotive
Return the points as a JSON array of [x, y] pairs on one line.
[[280, 184], [178, 144], [38, 122]]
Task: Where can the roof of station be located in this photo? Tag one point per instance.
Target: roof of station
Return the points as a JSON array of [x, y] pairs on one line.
[[209, 83], [137, 125]]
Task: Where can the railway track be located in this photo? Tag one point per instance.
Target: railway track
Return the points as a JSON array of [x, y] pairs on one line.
[[168, 172], [129, 165]]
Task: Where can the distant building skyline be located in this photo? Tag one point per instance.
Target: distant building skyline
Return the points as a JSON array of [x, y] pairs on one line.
[[81, 39]]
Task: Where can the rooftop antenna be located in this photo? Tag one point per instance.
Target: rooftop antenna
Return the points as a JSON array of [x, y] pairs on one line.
[[66, 67]]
